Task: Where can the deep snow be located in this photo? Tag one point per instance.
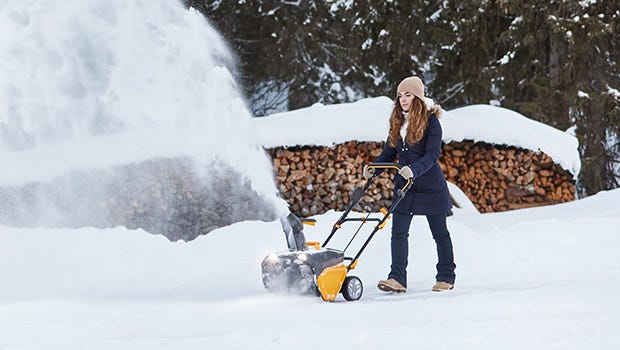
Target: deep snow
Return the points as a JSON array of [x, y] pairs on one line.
[[527, 279]]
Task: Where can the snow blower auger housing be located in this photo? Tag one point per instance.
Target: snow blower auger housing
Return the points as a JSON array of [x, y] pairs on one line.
[[322, 270]]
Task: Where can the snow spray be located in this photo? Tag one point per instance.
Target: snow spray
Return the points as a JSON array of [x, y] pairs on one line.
[[116, 112]]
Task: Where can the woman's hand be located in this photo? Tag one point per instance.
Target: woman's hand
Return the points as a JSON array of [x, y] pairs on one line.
[[406, 172], [368, 172]]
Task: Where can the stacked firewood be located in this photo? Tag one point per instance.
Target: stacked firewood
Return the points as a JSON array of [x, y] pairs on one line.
[[316, 179], [502, 178]]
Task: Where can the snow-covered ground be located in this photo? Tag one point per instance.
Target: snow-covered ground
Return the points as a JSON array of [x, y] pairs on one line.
[[539, 278], [73, 85]]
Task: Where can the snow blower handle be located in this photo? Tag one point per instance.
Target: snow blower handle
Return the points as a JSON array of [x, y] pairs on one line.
[[358, 193], [401, 192]]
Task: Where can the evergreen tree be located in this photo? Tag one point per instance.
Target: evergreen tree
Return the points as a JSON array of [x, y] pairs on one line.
[[559, 67], [555, 62], [593, 54], [390, 41], [291, 52], [466, 39]]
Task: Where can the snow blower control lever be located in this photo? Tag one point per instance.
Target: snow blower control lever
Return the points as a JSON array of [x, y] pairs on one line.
[[322, 270]]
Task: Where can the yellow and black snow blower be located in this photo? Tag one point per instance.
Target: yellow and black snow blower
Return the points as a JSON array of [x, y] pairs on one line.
[[321, 270]]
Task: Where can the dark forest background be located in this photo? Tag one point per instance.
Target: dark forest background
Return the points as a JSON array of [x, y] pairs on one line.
[[554, 61]]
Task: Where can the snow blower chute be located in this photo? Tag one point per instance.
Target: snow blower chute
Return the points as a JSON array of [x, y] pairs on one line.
[[311, 267]]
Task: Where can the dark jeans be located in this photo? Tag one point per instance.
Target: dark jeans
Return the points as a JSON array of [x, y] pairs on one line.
[[400, 247]]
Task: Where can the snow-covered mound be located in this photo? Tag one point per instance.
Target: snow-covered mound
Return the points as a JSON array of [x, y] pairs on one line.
[[367, 120], [462, 203], [535, 278]]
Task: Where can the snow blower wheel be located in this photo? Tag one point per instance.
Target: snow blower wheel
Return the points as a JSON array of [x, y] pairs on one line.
[[352, 288]]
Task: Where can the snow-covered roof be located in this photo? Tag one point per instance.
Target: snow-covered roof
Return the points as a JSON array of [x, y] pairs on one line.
[[367, 120]]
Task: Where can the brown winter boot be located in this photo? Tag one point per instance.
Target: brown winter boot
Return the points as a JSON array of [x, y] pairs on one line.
[[391, 285], [441, 286]]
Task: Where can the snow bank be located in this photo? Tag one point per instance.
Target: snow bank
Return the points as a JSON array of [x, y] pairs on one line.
[[463, 203]]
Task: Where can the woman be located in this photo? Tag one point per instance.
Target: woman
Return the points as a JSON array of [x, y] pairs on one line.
[[415, 137]]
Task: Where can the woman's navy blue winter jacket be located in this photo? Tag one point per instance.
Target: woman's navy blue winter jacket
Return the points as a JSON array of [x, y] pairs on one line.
[[429, 194]]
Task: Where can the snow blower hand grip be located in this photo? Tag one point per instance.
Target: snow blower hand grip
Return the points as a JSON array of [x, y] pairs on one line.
[[368, 172], [373, 167]]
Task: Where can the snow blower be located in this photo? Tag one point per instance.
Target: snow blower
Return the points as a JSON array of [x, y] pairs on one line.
[[321, 270]]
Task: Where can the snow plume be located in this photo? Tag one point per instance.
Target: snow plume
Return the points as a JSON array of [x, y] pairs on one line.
[[111, 104]]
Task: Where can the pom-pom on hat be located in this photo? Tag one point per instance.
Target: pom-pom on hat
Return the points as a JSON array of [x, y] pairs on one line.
[[413, 85]]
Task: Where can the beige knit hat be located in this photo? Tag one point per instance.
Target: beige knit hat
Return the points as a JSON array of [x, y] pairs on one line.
[[413, 85]]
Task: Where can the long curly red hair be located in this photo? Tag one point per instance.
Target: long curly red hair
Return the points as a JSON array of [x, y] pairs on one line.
[[418, 120]]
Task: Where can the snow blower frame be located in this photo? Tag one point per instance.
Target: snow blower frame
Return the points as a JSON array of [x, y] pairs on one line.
[[322, 270]]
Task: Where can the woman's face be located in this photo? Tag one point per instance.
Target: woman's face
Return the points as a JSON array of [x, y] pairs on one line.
[[405, 99]]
